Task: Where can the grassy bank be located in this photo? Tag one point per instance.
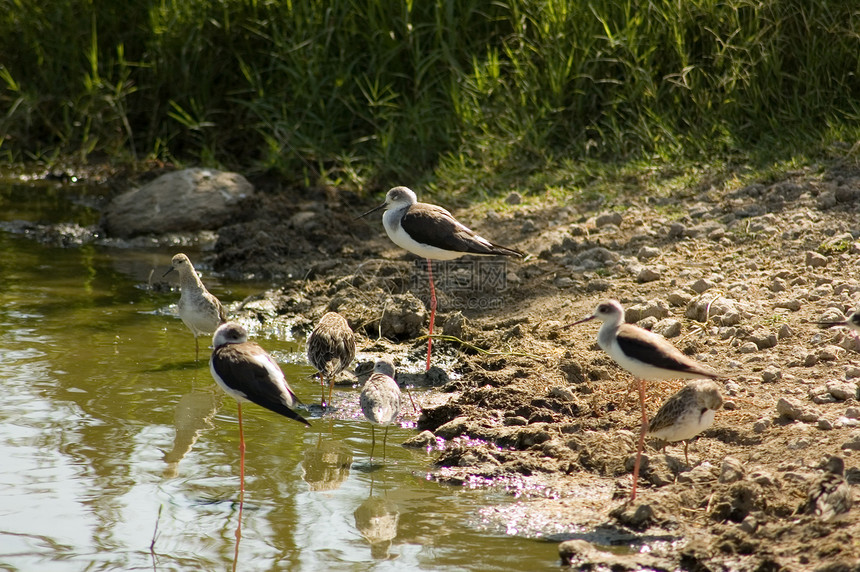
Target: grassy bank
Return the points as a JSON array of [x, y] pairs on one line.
[[463, 94]]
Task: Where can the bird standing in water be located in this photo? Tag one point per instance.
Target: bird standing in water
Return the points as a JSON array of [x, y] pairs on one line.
[[331, 348], [199, 310], [380, 400]]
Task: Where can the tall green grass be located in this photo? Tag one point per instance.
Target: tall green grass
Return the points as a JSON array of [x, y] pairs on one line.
[[472, 92]]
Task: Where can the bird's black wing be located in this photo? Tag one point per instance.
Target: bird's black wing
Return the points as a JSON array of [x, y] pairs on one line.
[[434, 226]]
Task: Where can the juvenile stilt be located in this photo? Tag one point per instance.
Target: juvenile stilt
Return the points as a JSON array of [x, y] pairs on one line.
[[380, 400], [199, 310]]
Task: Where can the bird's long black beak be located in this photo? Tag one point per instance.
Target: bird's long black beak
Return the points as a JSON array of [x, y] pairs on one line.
[[582, 321], [373, 210], [171, 269]]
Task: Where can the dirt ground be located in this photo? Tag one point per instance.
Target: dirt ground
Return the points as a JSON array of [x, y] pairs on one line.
[[738, 278]]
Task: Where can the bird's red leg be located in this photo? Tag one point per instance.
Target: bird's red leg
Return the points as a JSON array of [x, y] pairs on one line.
[[432, 311], [241, 489], [641, 444]]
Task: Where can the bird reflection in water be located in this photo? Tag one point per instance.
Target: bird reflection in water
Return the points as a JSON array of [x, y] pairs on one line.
[[194, 414], [325, 467], [377, 519]]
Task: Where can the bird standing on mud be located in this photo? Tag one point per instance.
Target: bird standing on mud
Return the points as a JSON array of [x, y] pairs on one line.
[[644, 354], [331, 348], [687, 413], [199, 310], [830, 495], [431, 232]]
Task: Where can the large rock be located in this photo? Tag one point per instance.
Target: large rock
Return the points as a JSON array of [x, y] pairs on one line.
[[187, 200]]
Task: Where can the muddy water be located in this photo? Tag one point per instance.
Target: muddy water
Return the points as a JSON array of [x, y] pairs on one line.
[[118, 452]]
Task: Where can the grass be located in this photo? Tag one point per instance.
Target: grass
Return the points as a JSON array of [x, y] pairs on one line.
[[468, 99]]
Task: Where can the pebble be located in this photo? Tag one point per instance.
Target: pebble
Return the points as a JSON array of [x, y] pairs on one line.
[[563, 393], [647, 274], [842, 390], [598, 285], [647, 323], [679, 298], [514, 198], [793, 304], [528, 227], [852, 412], [607, 218], [771, 374], [702, 285], [748, 348], [648, 252], [778, 285], [732, 387], [732, 470], [761, 426], [810, 360], [421, 440], [763, 339], [676, 230], [852, 371], [793, 409], [667, 327], [853, 443], [825, 425], [815, 260], [784, 332]]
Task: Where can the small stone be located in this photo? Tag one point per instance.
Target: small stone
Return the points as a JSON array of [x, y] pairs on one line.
[[748, 348], [853, 443], [563, 393], [702, 285], [732, 387], [852, 371], [454, 325], [771, 374], [842, 390], [730, 405], [516, 421], [679, 298], [421, 440], [647, 323], [789, 408], [604, 219], [810, 360], [598, 285], [778, 285], [852, 412], [825, 425], [763, 339], [514, 198], [647, 253], [676, 230], [528, 226], [761, 426], [793, 304], [564, 282], [815, 260], [784, 332], [732, 470], [829, 353], [667, 327], [647, 274]]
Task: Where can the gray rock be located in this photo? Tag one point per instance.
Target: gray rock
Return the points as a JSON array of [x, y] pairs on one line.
[[679, 298], [514, 198], [647, 253], [668, 328], [842, 390], [187, 200], [454, 325], [421, 440], [732, 470], [763, 339], [771, 374], [853, 443], [702, 285], [748, 348], [676, 230], [815, 260], [598, 285], [761, 426], [647, 274], [607, 218], [403, 316], [778, 285]]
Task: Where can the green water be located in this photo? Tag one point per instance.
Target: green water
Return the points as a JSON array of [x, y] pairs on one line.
[[112, 437]]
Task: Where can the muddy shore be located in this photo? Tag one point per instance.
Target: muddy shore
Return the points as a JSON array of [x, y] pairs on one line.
[[738, 278]]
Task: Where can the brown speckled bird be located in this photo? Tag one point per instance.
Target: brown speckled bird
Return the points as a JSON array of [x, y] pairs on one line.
[[331, 348]]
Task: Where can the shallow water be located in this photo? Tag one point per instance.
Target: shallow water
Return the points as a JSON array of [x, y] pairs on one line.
[[118, 451]]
